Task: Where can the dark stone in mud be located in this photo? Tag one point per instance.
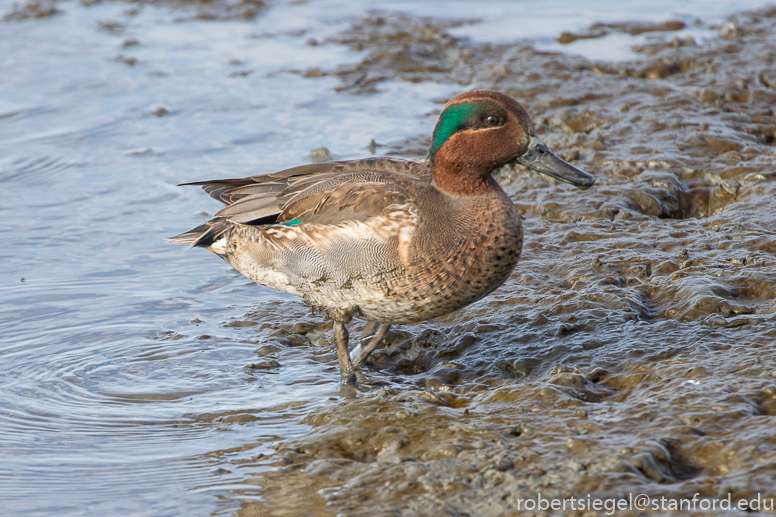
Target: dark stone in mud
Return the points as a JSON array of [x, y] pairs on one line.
[[304, 328], [512, 369], [730, 31], [599, 30], [111, 26], [320, 155], [31, 10], [572, 380], [634, 28], [217, 9], [297, 340], [596, 375], [129, 61], [241, 323], [315, 72], [569, 37], [267, 349], [264, 365], [504, 464]]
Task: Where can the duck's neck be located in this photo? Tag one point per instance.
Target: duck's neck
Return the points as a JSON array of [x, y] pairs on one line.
[[461, 181]]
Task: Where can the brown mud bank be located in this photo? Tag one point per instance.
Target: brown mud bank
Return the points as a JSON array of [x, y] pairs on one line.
[[632, 351]]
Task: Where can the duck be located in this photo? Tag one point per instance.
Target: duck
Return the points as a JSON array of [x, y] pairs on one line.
[[387, 240]]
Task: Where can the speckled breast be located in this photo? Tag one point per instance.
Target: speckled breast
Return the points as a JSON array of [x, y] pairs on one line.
[[459, 258]]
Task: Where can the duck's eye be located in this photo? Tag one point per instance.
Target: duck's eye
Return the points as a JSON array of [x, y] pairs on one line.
[[491, 120]]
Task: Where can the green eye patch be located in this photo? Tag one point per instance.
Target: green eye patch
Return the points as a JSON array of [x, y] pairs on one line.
[[466, 115]]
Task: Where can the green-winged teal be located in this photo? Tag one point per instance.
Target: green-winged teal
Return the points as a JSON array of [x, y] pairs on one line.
[[391, 241]]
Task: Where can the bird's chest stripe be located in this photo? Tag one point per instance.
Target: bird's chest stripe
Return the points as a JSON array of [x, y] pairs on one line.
[[405, 240]]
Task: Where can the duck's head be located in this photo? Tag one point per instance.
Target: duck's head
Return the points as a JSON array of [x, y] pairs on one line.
[[480, 131]]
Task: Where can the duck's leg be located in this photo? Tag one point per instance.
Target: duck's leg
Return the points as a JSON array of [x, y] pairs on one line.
[[371, 338], [366, 334], [347, 372]]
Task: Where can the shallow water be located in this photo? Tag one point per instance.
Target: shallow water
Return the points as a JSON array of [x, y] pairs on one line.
[[125, 387]]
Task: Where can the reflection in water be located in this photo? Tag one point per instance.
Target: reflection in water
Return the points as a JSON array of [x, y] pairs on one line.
[[138, 379]]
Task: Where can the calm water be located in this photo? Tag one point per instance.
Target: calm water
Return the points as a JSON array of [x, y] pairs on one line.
[[123, 386]]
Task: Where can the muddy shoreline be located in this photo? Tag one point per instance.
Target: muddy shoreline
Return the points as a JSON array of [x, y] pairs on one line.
[[632, 349]]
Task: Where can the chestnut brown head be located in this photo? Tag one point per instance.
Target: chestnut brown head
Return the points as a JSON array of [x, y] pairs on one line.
[[480, 131]]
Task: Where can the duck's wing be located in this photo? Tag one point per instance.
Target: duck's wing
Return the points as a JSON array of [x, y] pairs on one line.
[[324, 193], [345, 197]]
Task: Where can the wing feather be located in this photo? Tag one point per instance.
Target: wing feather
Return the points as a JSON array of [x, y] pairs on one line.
[[351, 201], [324, 193]]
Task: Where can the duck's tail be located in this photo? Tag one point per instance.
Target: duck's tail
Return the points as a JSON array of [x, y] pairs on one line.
[[204, 235]]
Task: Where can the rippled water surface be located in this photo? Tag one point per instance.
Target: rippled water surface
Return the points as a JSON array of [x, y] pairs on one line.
[[124, 360]]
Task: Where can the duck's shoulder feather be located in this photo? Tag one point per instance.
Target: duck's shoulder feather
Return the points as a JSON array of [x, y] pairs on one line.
[[323, 193]]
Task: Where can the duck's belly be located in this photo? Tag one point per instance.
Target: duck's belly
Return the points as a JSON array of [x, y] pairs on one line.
[[431, 300]]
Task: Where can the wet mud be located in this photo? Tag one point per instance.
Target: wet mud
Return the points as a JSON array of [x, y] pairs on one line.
[[186, 9], [632, 351], [31, 10], [598, 30], [212, 9]]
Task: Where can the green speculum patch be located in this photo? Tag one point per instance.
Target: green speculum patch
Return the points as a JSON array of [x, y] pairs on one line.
[[292, 223]]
